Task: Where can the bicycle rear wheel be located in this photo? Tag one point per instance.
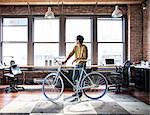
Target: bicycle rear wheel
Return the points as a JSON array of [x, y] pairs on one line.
[[52, 86], [94, 85]]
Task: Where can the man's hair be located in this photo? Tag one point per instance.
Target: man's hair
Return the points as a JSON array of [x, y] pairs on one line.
[[80, 38]]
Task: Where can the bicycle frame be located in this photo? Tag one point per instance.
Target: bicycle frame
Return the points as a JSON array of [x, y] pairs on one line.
[[82, 74]]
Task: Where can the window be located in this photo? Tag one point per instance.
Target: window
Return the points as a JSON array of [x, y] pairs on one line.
[[108, 43], [46, 40], [110, 40], [46, 30], [15, 40], [73, 29]]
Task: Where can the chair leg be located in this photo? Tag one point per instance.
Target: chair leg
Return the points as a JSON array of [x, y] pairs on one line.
[[20, 88], [10, 89], [109, 88], [118, 89]]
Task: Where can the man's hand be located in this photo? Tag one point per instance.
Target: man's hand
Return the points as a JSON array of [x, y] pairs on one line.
[[64, 62], [75, 60]]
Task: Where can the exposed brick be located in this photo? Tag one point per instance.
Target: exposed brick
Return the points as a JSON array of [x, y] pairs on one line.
[[135, 24], [67, 9], [146, 32]]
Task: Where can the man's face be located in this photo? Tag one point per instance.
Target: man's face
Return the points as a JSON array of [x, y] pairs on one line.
[[77, 41]]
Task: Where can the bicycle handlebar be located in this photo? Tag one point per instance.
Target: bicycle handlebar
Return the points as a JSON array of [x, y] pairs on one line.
[[60, 63]]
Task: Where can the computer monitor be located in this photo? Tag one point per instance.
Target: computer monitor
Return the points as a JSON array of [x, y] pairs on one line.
[[109, 61]]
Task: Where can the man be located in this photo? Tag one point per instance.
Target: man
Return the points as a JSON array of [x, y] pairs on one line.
[[81, 53]]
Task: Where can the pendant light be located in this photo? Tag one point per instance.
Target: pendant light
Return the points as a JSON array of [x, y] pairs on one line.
[[49, 14], [117, 12]]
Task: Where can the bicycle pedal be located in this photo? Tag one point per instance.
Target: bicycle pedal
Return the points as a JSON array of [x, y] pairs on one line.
[[70, 97]]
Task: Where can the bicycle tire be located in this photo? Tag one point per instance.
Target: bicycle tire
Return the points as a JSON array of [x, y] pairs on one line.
[[94, 85], [52, 87]]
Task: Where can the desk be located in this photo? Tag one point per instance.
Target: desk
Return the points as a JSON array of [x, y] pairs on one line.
[[32, 67], [2, 79], [4, 67], [142, 75], [30, 71]]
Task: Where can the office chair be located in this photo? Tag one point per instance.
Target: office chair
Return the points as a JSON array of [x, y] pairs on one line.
[[120, 78], [14, 73]]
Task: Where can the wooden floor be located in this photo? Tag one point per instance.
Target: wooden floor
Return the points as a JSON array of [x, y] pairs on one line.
[[32, 101], [6, 98]]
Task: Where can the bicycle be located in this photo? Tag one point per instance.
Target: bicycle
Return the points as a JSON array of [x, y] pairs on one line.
[[94, 85]]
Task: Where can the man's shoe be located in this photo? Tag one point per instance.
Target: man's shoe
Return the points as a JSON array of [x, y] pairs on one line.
[[80, 94]]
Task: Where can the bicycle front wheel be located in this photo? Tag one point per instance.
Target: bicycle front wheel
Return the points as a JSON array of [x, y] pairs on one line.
[[94, 85], [52, 86]]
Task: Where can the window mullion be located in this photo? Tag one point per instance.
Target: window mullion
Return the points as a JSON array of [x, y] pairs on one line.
[[111, 40], [30, 50], [94, 45], [62, 46]]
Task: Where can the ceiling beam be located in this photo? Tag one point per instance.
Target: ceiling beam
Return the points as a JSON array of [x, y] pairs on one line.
[[68, 2]]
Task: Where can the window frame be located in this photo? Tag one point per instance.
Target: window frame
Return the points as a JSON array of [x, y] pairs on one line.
[[43, 42], [62, 42], [85, 42], [123, 35], [12, 42]]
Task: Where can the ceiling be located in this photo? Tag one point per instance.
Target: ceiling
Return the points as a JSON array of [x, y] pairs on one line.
[[74, 2]]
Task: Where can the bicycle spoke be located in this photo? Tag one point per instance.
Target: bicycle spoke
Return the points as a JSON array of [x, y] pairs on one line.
[[94, 85], [52, 87]]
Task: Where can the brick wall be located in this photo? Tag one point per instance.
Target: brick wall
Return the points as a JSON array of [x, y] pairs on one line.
[[67, 10], [146, 32], [135, 30], [138, 32]]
